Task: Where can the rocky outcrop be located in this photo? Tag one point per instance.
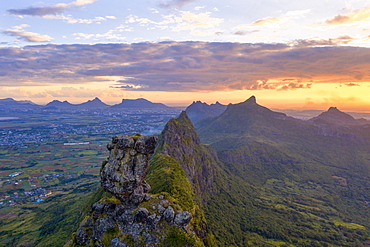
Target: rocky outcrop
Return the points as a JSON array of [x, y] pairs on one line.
[[123, 173], [133, 217], [111, 223]]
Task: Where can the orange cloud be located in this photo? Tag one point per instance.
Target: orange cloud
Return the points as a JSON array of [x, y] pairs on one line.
[[18, 31], [268, 21], [356, 16]]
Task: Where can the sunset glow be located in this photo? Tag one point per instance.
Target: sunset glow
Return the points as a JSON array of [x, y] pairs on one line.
[[298, 56]]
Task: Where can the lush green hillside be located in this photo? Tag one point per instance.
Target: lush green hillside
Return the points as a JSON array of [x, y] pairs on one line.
[[285, 182]]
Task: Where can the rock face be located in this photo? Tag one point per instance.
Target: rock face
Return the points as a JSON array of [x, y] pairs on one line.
[[123, 174], [180, 141], [113, 224]]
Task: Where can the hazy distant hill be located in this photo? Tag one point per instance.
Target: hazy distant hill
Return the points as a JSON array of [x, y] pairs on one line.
[[139, 103], [17, 104], [198, 110], [336, 116], [95, 103], [60, 104]]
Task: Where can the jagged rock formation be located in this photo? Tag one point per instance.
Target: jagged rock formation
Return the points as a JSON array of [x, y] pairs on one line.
[[114, 224], [198, 110], [123, 173], [133, 217]]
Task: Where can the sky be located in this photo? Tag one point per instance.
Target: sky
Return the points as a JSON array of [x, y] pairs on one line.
[[289, 54]]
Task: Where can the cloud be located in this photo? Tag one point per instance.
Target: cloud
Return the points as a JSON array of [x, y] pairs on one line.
[[242, 33], [197, 23], [69, 19], [174, 3], [351, 84], [48, 10], [185, 66], [127, 86], [80, 2], [33, 11], [191, 21], [273, 21], [356, 16], [18, 31], [114, 34], [323, 42], [283, 85]]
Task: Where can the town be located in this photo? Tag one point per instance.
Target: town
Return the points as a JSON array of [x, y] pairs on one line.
[[46, 153]]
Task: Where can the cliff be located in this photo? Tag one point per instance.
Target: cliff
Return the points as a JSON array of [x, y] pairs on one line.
[[180, 141], [133, 217]]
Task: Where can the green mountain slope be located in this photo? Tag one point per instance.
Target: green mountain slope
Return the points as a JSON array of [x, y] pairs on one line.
[[295, 184]]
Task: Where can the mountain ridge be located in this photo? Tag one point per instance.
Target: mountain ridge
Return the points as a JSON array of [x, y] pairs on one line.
[[95, 103], [138, 103], [198, 110], [281, 162]]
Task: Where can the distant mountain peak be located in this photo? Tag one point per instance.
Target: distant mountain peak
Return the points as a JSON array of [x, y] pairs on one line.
[[139, 103], [198, 110], [95, 103], [184, 119], [8, 99], [10, 102], [333, 114], [251, 100], [333, 109]]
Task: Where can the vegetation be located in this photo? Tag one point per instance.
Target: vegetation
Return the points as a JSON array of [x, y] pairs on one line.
[[49, 223], [283, 184], [166, 175]]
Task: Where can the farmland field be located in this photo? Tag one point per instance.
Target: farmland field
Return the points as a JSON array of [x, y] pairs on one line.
[[49, 164]]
